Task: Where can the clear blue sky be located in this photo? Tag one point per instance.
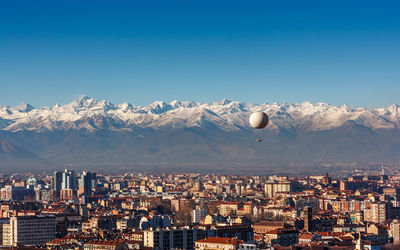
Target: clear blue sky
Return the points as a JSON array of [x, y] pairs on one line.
[[253, 51]]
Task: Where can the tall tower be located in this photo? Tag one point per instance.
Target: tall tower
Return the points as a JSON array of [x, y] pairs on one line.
[[87, 182], [56, 182], [68, 184], [307, 215], [359, 244], [326, 179], [68, 180]]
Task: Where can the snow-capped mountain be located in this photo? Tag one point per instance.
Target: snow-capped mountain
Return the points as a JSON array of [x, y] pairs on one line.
[[90, 114], [99, 133]]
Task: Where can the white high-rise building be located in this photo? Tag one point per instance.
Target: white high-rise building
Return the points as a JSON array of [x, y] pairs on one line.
[[198, 214], [272, 187], [395, 227], [68, 179]]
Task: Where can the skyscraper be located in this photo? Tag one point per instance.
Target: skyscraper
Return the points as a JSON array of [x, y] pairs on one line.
[[56, 183], [87, 182], [64, 183], [68, 179]]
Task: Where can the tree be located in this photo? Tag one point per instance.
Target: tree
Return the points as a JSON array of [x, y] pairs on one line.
[[212, 208], [183, 218]]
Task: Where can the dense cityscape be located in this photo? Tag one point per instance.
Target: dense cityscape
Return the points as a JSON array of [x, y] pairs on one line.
[[87, 210], [200, 125]]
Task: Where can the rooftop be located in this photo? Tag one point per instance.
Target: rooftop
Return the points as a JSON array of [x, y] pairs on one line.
[[219, 240]]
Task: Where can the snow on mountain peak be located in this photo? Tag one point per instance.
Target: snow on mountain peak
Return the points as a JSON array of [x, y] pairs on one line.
[[175, 103], [393, 109], [126, 106], [24, 107], [85, 103], [88, 113], [159, 107], [224, 101]]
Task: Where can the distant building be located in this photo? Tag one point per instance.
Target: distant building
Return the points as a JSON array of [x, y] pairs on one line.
[[307, 214], [155, 221], [64, 184], [262, 227], [378, 212], [56, 183], [271, 188], [15, 193], [68, 179], [355, 185], [87, 182], [228, 208], [326, 179], [198, 214], [42, 194]]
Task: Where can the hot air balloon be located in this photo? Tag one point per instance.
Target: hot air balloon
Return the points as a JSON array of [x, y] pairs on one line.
[[258, 120]]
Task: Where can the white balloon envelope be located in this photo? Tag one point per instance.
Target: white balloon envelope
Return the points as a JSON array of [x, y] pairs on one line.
[[258, 120]]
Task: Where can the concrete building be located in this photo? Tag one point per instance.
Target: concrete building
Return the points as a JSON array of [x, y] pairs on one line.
[[355, 185], [271, 188], [29, 230], [15, 193], [283, 237], [2, 222], [64, 184], [378, 212], [56, 183], [68, 180], [87, 182], [380, 231], [228, 208], [307, 217], [262, 227], [395, 228], [198, 214], [172, 238]]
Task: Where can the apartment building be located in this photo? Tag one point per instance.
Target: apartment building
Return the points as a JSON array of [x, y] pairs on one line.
[[29, 230]]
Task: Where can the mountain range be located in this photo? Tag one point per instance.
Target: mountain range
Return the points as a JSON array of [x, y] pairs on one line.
[[195, 136]]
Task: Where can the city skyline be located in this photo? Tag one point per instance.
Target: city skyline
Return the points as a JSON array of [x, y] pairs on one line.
[[134, 210]]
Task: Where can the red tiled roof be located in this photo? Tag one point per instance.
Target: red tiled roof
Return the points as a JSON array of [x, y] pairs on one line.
[[306, 236], [106, 242], [219, 240]]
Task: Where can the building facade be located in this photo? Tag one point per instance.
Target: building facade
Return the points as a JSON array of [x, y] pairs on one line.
[[29, 230]]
